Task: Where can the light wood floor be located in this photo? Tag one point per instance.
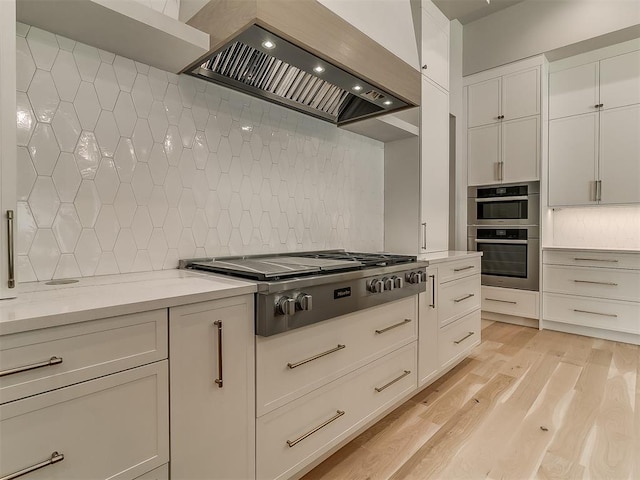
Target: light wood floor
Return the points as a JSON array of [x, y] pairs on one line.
[[525, 404]]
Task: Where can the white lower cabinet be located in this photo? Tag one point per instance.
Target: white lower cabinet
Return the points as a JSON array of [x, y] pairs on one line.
[[458, 298], [211, 353], [511, 301], [292, 436], [113, 427], [457, 339], [428, 365]]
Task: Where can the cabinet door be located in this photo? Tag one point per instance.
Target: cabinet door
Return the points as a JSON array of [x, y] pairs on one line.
[[483, 147], [521, 94], [573, 153], [435, 50], [573, 91], [428, 329], [619, 166], [7, 142], [212, 424], [620, 80], [520, 149], [434, 168], [483, 102]]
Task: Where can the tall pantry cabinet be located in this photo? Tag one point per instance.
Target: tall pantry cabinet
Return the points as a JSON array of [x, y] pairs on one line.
[[7, 146]]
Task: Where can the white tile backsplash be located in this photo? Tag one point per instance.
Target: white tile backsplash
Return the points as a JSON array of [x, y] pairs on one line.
[[123, 167], [598, 227]]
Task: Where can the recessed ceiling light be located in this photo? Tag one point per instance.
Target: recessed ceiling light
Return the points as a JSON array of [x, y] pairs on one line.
[[387, 102], [268, 44], [357, 88], [488, 2], [318, 69]]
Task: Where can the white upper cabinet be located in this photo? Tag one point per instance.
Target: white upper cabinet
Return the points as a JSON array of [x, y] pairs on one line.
[[573, 91], [620, 80], [503, 120], [435, 46]]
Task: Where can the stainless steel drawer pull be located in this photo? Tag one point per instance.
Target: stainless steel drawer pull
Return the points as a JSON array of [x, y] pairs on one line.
[[47, 363], [579, 259], [458, 300], [404, 322], [218, 324], [501, 301], [384, 387], [54, 458], [463, 268], [292, 443], [315, 357], [612, 315], [433, 291], [11, 281], [458, 342], [612, 284]]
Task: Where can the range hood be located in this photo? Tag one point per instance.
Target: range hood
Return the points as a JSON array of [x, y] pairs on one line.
[[301, 55]]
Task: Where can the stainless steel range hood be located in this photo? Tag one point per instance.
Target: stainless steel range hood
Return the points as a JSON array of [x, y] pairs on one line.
[[301, 55]]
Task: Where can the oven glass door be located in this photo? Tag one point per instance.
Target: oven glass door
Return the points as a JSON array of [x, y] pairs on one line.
[[503, 209], [504, 259]]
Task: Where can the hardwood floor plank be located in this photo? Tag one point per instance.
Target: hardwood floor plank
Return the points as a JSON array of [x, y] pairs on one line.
[[554, 467], [534, 381], [447, 405]]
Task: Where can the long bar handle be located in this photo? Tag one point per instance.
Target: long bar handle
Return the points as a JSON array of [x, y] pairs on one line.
[[404, 322], [506, 242], [433, 291], [293, 443], [54, 458], [612, 284], [457, 342], [11, 282], [315, 357], [424, 235], [501, 164], [501, 301], [218, 324], [582, 259], [384, 387], [599, 190], [47, 363], [612, 315], [461, 299], [502, 199], [462, 269]]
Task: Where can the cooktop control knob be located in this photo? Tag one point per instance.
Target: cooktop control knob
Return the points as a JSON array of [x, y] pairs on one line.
[[375, 285], [398, 282], [286, 306], [388, 283], [415, 277], [304, 302]]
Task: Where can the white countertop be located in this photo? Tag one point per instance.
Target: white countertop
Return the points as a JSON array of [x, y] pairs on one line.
[[594, 249], [40, 306], [447, 256]]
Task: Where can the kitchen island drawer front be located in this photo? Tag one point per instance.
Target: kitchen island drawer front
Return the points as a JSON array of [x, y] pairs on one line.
[[510, 301], [458, 269], [41, 360], [339, 409], [290, 364], [588, 258], [458, 299], [457, 339], [114, 427], [592, 312], [615, 284]]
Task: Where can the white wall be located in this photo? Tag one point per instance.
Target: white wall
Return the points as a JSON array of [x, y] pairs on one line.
[[388, 22], [538, 26]]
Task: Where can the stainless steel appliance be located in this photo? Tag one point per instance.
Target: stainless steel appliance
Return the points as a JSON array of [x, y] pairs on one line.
[[509, 255], [302, 288], [517, 204]]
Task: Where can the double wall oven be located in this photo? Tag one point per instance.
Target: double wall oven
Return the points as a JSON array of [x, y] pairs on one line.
[[503, 224]]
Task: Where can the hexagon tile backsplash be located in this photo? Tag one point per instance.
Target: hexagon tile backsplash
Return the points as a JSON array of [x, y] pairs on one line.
[[123, 167]]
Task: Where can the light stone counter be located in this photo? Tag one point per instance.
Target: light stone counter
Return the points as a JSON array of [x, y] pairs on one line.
[[447, 256]]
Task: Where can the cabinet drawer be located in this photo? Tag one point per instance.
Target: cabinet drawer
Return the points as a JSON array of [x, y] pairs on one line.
[[509, 301], [115, 427], [88, 350], [291, 364], [354, 394], [585, 258], [615, 284], [457, 339], [458, 269], [592, 312], [458, 298]]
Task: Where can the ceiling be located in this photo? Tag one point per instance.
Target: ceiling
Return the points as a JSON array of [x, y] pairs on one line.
[[469, 10]]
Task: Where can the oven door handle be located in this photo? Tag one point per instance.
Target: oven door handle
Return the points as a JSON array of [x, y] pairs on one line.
[[510, 242], [501, 199]]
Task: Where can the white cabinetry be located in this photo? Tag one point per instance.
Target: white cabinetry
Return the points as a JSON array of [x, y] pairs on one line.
[[7, 144], [428, 366], [88, 400], [594, 147], [595, 293], [503, 121], [435, 44], [212, 389]]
